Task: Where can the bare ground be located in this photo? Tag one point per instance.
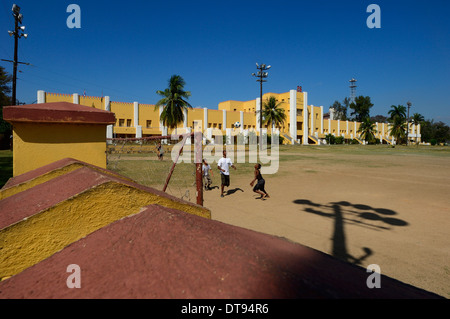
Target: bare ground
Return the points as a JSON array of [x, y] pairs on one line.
[[390, 208]]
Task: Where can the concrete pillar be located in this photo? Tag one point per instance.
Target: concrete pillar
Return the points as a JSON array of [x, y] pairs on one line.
[[228, 136], [329, 125], [347, 129], [312, 128], [354, 127], [188, 131], [76, 98], [40, 96], [224, 119], [339, 128], [136, 120], [205, 117], [109, 131], [241, 119], [107, 103], [185, 115], [293, 115], [321, 119], [305, 118], [136, 114]]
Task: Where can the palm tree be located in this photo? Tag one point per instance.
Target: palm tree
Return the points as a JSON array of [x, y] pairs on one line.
[[397, 111], [273, 114], [367, 130], [416, 120], [174, 102], [398, 129]]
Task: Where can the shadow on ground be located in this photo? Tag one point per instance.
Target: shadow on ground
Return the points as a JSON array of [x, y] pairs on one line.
[[343, 213]]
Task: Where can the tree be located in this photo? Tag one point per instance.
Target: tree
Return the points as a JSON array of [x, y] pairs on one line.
[[173, 100], [340, 110], [5, 99], [361, 108], [273, 114], [417, 119], [367, 130], [398, 129], [379, 118], [397, 111]]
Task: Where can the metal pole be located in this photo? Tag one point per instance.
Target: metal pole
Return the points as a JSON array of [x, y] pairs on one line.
[[198, 166], [16, 43], [407, 125]]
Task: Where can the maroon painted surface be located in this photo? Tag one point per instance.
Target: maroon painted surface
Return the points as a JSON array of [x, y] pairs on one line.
[[43, 196], [164, 253], [57, 112]]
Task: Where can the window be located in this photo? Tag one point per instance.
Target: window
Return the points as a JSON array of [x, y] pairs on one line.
[[149, 123], [121, 122], [317, 116], [209, 125], [128, 122], [299, 112], [220, 126]]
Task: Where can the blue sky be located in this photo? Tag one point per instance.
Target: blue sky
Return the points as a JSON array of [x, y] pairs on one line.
[[129, 49]]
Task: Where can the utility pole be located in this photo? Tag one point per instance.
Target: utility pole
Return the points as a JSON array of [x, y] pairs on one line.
[[261, 75], [17, 33], [407, 124]]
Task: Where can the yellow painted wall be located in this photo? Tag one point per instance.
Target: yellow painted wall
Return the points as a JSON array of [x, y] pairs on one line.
[[249, 120], [37, 144], [195, 114], [149, 119], [58, 97], [97, 102], [215, 117], [123, 111], [231, 106], [38, 237], [233, 117]]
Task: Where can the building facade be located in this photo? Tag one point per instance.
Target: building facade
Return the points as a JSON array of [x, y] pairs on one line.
[[305, 124]]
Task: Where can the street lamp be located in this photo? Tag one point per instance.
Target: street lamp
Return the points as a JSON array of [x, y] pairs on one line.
[[261, 75], [407, 123], [17, 33]]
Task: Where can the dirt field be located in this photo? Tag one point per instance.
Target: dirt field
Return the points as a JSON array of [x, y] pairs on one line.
[[376, 205], [363, 204]]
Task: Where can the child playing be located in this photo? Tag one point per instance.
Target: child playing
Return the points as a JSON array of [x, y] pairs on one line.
[[206, 169], [259, 187]]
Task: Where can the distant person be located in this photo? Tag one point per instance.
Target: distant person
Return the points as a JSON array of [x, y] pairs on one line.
[[160, 150], [260, 183], [224, 165], [207, 174]]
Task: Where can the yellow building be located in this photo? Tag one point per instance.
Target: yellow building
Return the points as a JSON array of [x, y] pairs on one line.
[[47, 132], [305, 124]]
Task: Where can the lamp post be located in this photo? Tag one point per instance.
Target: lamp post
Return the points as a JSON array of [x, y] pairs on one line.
[[17, 33], [407, 124], [261, 75]]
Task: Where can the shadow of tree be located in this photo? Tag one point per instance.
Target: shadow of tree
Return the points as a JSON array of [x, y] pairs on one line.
[[344, 212]]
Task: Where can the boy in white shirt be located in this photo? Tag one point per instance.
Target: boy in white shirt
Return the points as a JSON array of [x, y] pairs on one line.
[[224, 165]]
